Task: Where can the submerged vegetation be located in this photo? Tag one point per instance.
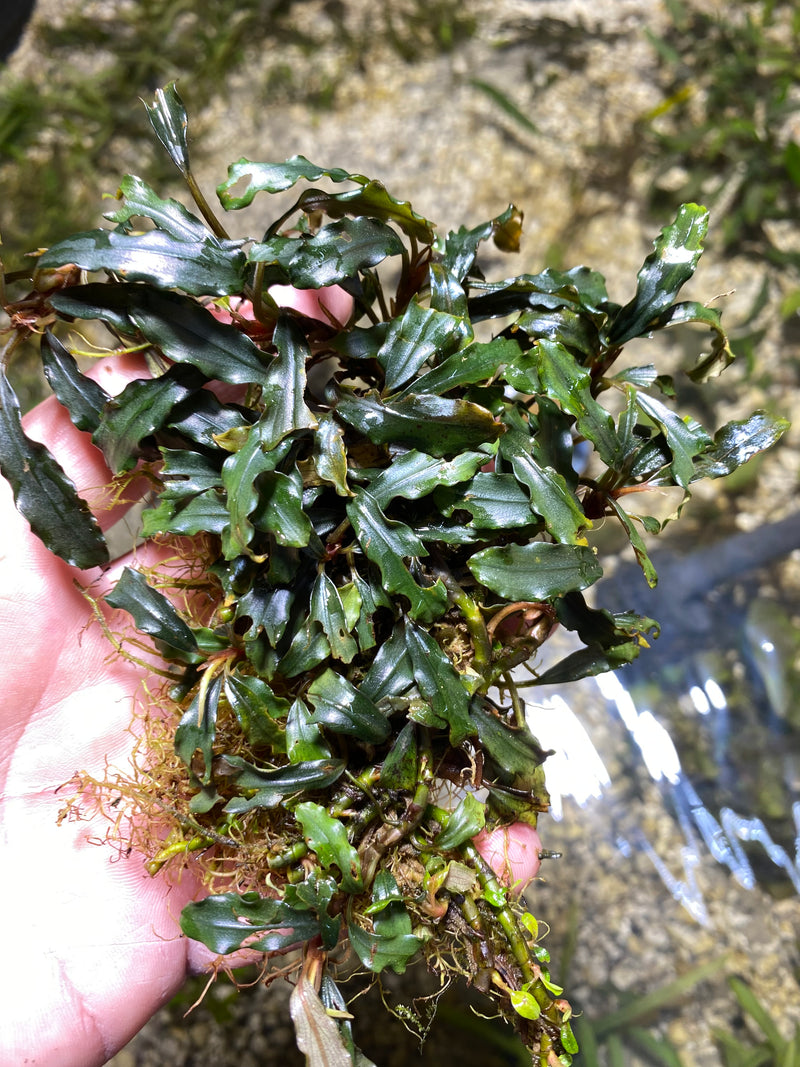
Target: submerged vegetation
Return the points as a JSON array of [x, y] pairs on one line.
[[374, 517]]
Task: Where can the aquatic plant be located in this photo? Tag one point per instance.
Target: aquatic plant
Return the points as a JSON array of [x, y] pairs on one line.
[[360, 458]]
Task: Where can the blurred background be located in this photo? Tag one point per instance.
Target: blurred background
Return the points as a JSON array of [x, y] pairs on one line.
[[674, 912]]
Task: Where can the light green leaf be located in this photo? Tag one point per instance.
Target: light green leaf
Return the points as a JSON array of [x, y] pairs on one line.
[[328, 838]]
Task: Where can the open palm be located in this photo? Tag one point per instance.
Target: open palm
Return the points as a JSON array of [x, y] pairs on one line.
[[91, 942]]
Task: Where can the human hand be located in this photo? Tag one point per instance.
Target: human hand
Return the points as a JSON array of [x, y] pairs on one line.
[[92, 944]]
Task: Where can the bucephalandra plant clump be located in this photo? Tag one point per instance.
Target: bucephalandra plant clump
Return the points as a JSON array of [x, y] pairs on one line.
[[372, 518]]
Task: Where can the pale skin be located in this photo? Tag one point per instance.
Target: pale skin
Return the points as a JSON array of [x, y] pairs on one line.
[[91, 942]]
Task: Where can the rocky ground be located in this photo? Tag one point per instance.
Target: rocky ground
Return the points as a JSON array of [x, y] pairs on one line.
[[584, 72]]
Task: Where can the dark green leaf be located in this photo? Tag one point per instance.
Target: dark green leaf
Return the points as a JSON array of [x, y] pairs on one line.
[[536, 571], [685, 439], [737, 442], [341, 707], [239, 474], [329, 611], [168, 118], [142, 408], [261, 714], [720, 355], [515, 751], [461, 246], [140, 201], [304, 740], [275, 177], [636, 540], [663, 273], [225, 922], [388, 544], [579, 287], [197, 267], [328, 838], [371, 199], [330, 456], [332, 254], [401, 766], [477, 362], [205, 512], [155, 616], [467, 820], [43, 493], [203, 418], [550, 495], [83, 398], [272, 786], [187, 333], [421, 335], [284, 385], [495, 501], [415, 474], [280, 509], [429, 423], [308, 649], [564, 325], [391, 673], [197, 729], [439, 682], [568, 383], [316, 893]]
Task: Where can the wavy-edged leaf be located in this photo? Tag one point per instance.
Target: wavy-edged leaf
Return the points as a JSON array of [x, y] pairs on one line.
[[340, 707], [421, 335], [391, 672], [737, 442], [392, 944], [155, 616], [304, 739], [333, 254], [83, 398], [198, 267], [275, 178], [143, 407], [374, 200], [327, 837], [197, 729], [280, 509], [568, 383], [468, 819], [272, 786], [388, 544], [720, 356], [43, 493], [439, 682], [225, 922], [261, 714], [516, 751], [478, 362], [578, 287], [551, 497], [431, 424], [328, 610], [400, 769], [330, 455], [668, 267], [461, 246], [169, 121], [284, 385], [141, 201], [206, 512], [685, 439], [636, 540], [495, 501], [536, 571], [415, 474], [239, 475]]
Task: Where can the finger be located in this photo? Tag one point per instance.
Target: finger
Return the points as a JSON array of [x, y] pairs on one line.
[[513, 852]]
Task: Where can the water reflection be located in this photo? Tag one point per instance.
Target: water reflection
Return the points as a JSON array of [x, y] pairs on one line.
[[576, 769]]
